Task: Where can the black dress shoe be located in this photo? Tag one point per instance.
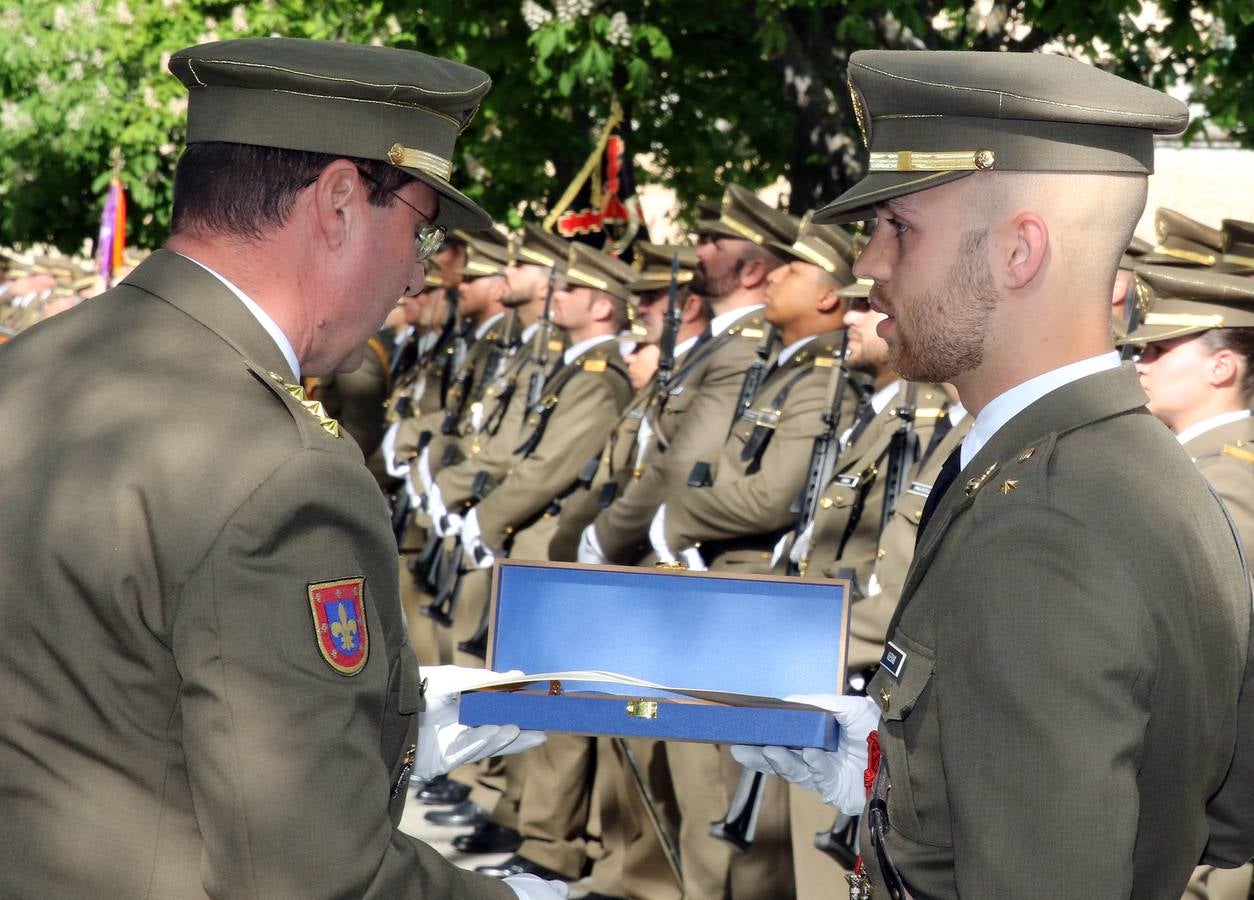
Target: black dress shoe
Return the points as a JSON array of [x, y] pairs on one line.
[[465, 813], [443, 791], [520, 865], [488, 838]]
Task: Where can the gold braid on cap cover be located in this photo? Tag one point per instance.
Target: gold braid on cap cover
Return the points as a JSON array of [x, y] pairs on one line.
[[929, 161], [409, 158], [1184, 320]]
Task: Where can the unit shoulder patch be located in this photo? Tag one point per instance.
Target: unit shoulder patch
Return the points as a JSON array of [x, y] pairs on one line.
[[339, 619]]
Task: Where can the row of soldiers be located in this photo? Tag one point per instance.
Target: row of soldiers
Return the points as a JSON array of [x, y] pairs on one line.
[[38, 284], [727, 406]]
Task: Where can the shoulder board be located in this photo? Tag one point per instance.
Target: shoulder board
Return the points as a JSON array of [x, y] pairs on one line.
[[594, 365], [751, 328], [294, 396], [1239, 451], [556, 346]]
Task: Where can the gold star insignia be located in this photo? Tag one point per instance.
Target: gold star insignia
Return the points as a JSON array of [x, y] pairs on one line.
[[1008, 485], [1026, 454]]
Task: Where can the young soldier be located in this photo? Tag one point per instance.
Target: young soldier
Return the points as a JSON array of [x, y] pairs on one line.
[[1059, 694]]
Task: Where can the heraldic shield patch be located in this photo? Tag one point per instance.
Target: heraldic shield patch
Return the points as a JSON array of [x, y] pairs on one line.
[[339, 618]]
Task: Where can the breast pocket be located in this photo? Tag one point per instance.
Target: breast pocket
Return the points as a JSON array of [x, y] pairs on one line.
[[910, 742]]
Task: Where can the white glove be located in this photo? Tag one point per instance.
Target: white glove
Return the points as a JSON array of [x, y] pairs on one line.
[[657, 536], [424, 470], [837, 777], [472, 540], [394, 468], [532, 887], [589, 547], [691, 558], [443, 744], [449, 525], [433, 502], [801, 546]]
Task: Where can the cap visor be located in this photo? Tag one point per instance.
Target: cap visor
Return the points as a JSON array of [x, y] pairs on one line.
[[1149, 334], [457, 211], [857, 203]]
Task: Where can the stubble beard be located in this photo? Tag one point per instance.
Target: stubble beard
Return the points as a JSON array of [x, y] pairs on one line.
[[945, 326], [717, 287]]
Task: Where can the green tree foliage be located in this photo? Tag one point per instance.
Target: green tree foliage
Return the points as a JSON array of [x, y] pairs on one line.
[[715, 90]]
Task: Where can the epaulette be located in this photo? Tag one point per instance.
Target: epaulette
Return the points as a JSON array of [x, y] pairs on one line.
[[1238, 450], [751, 328], [820, 356], [294, 397]]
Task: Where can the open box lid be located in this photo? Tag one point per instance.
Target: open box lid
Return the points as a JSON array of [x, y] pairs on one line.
[[749, 634]]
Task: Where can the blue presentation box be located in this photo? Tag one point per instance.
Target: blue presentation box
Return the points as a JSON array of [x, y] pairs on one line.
[[762, 635]]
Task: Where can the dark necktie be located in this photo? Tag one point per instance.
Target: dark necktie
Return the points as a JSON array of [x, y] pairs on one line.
[[949, 472], [943, 426], [863, 416]]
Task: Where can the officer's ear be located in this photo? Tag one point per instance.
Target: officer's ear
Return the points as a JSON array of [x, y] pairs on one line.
[[332, 198], [831, 303], [1223, 369], [1022, 254], [693, 308]]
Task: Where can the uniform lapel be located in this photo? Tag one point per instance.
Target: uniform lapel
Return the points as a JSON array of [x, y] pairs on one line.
[[1071, 406], [188, 287]]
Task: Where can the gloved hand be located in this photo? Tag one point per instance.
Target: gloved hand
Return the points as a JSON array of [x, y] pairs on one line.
[[481, 555], [838, 777], [801, 547], [533, 887], [394, 467], [443, 743], [589, 547], [657, 536]]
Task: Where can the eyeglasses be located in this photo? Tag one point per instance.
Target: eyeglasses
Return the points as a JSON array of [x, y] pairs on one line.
[[430, 237]]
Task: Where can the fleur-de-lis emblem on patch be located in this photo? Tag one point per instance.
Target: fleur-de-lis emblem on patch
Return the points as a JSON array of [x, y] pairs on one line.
[[346, 630]]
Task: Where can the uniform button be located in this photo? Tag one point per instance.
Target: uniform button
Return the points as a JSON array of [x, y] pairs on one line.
[[826, 503]]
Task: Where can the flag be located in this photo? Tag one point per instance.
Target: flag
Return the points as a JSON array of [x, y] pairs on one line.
[[112, 239], [600, 207]]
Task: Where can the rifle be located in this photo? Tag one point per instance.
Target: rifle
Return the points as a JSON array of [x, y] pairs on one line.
[[825, 450], [443, 605], [544, 334], [753, 377], [900, 453], [670, 331]]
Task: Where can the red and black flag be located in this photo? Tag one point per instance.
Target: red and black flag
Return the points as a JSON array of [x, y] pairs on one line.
[[600, 207]]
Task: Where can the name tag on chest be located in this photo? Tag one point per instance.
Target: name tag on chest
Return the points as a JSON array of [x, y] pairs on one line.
[[893, 661]]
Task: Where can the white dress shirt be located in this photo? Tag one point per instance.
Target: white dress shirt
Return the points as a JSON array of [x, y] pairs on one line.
[[1198, 429]]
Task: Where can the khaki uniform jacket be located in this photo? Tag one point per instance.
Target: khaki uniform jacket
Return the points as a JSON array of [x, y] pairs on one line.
[[586, 396], [860, 470], [896, 548], [356, 399], [492, 450], [692, 425], [616, 466], [1075, 627], [1223, 456], [169, 726], [468, 378], [741, 516]]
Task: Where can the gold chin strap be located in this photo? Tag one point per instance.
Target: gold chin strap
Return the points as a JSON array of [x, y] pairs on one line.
[[742, 229], [409, 158], [1203, 259], [1184, 320], [927, 161], [813, 254]]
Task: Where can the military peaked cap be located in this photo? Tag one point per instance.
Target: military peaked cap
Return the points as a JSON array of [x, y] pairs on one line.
[[931, 117], [588, 267], [1183, 241], [381, 103], [1238, 245], [537, 247], [1188, 301], [484, 258], [747, 217], [652, 263], [829, 247]]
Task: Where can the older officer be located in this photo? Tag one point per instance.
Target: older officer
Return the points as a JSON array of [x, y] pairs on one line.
[[1060, 687], [207, 668]]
